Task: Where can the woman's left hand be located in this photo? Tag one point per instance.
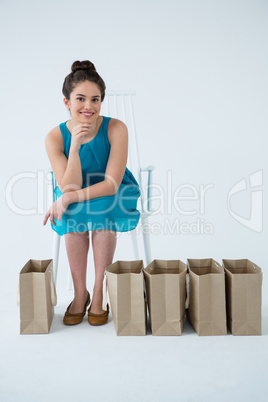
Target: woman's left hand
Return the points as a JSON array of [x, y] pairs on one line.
[[57, 209]]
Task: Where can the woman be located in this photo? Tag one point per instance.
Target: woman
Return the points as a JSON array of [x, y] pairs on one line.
[[96, 191]]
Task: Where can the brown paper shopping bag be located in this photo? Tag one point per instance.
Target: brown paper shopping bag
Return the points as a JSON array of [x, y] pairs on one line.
[[37, 297], [165, 289], [125, 283], [243, 296], [207, 306]]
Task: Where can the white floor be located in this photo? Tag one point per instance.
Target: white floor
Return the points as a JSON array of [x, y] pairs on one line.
[[85, 363]]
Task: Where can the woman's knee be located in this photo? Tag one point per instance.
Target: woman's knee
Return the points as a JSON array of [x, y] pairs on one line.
[[104, 232], [77, 235]]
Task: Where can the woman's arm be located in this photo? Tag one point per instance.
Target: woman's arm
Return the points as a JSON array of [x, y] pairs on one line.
[[68, 172]]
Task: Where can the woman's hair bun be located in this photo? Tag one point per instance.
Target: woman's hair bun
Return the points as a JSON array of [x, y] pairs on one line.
[[83, 65], [82, 71]]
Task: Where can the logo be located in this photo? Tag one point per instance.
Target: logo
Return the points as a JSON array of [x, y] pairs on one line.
[[254, 222]]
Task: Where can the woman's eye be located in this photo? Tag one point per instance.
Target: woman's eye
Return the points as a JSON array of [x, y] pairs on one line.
[[95, 99], [80, 99]]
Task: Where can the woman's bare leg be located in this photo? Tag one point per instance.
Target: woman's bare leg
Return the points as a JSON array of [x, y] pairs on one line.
[[77, 246], [103, 243]]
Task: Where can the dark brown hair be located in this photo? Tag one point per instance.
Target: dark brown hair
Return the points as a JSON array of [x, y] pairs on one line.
[[82, 71]]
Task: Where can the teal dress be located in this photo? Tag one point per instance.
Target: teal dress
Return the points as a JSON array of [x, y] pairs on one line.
[[114, 212]]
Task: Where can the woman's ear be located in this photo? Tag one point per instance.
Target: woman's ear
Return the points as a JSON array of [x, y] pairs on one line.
[[66, 103]]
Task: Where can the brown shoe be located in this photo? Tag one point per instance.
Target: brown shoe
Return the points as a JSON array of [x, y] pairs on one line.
[[74, 319], [98, 319]]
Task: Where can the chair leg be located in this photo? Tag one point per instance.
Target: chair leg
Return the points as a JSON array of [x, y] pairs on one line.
[[56, 250], [134, 240], [146, 239]]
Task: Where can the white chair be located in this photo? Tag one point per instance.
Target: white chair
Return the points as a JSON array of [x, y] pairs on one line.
[[119, 104]]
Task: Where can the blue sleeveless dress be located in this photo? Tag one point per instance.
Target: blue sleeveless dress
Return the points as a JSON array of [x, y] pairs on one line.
[[114, 212]]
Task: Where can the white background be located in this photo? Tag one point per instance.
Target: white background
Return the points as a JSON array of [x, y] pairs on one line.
[[199, 70]]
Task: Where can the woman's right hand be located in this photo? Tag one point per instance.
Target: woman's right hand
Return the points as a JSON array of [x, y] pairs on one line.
[[79, 132], [57, 209]]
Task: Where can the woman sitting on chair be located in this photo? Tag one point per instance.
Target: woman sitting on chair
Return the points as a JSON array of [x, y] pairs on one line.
[[95, 190]]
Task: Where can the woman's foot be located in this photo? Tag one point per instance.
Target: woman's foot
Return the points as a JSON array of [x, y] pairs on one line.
[[98, 319], [75, 318], [78, 303], [96, 315]]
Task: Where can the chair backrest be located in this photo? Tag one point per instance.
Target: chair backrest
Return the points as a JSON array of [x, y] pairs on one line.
[[119, 104]]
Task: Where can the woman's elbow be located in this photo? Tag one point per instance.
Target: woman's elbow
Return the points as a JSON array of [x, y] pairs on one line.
[[66, 188], [112, 187]]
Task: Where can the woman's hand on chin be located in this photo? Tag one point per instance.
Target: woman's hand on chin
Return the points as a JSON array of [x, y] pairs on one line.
[[57, 209]]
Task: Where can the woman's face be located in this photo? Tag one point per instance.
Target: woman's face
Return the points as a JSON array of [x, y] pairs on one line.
[[85, 102]]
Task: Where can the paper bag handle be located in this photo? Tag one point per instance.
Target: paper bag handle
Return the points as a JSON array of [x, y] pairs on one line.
[[104, 293], [53, 290], [18, 295], [187, 291]]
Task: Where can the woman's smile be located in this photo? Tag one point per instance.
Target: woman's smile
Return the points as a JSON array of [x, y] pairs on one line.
[[87, 114]]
